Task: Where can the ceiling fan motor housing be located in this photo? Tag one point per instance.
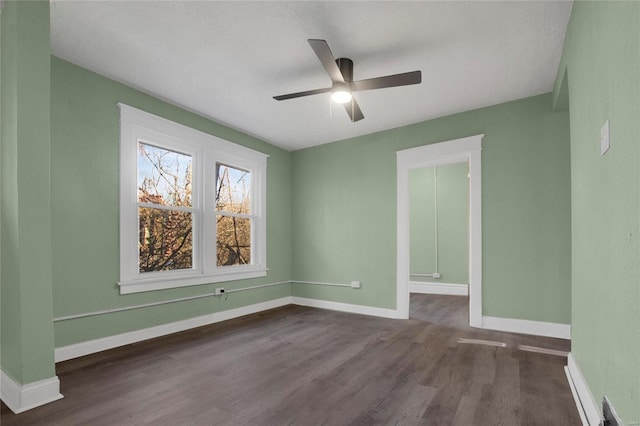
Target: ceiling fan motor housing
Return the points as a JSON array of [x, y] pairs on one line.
[[346, 68]]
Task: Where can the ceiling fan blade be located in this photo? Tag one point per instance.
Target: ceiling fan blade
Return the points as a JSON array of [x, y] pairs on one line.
[[352, 108], [404, 79], [301, 94], [321, 48]]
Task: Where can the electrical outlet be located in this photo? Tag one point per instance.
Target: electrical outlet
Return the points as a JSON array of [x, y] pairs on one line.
[[219, 291], [355, 284], [436, 275]]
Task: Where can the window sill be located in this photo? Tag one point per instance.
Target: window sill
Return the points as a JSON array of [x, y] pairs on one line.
[[138, 286]]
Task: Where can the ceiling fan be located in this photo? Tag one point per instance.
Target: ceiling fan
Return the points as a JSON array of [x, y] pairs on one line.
[[341, 73]]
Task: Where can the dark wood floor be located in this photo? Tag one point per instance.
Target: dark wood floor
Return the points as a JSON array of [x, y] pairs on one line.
[[305, 366]]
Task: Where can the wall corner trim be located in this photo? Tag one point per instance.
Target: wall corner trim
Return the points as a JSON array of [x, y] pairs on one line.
[[536, 328], [585, 403], [20, 398]]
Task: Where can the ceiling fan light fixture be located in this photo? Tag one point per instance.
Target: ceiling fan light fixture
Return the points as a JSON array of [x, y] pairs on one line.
[[341, 95], [341, 73]]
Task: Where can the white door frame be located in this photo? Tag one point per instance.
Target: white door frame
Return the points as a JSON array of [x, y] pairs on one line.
[[454, 151]]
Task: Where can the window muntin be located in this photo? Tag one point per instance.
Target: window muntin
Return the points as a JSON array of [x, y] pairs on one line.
[[192, 206]]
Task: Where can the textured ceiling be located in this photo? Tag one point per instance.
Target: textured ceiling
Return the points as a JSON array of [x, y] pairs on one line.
[[226, 60]]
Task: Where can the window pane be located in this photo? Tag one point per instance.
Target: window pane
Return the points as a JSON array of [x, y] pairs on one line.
[[164, 177], [165, 240], [234, 240], [232, 189]]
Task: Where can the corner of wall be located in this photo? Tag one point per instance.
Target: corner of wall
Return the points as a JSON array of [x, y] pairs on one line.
[[560, 95], [20, 398]]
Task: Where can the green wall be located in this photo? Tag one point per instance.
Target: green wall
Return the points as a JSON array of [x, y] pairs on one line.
[[452, 186], [343, 199], [84, 211], [331, 208], [344, 204], [602, 63], [27, 330]]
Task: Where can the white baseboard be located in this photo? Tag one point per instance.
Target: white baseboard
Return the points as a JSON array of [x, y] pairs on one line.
[[537, 328], [586, 404], [345, 307], [92, 346], [438, 288], [576, 398], [21, 398]]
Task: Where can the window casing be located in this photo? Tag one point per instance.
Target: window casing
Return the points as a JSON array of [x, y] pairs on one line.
[[163, 212]]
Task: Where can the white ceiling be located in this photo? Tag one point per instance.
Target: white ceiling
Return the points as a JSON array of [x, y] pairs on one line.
[[226, 60]]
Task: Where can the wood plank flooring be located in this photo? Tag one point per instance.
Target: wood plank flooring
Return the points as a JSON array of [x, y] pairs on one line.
[[303, 366]]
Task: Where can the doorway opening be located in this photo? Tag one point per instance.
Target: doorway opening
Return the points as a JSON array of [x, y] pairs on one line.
[[439, 244], [464, 150]]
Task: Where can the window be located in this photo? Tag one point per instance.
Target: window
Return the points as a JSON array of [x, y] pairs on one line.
[[192, 206], [165, 211], [233, 216]]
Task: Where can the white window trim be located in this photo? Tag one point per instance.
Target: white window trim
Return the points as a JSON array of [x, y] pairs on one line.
[[206, 150]]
